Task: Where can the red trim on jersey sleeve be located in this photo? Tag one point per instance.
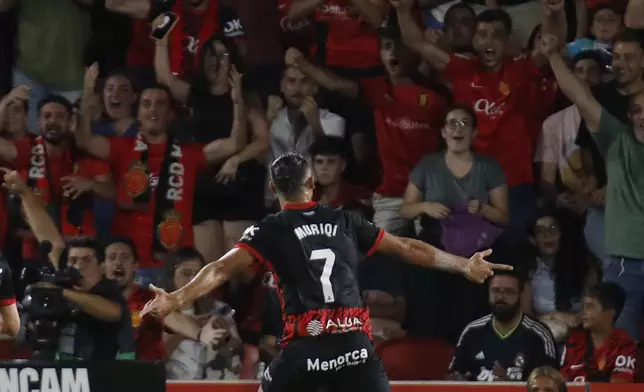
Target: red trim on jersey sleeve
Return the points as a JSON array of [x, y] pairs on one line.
[[376, 244], [7, 302], [253, 252]]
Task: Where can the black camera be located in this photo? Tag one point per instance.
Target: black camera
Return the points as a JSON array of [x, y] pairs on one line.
[[46, 309]]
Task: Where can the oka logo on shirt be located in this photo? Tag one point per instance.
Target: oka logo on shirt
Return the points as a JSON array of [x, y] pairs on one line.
[[233, 28], [491, 109]]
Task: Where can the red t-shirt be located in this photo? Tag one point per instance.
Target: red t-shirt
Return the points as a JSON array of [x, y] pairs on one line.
[[503, 105], [138, 224], [148, 331], [350, 43], [615, 359], [58, 167], [408, 120]]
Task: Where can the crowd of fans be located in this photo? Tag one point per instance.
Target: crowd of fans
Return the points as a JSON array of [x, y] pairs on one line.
[[512, 125]]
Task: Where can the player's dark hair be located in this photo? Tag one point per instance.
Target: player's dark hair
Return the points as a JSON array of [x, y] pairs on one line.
[[88, 243], [127, 241], [55, 98], [329, 146], [496, 15], [610, 296], [630, 35], [288, 173]]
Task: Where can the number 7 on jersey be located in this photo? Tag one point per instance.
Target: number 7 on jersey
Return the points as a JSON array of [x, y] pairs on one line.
[[325, 279]]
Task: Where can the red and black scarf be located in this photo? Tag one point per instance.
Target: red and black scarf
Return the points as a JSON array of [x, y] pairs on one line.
[[171, 201], [180, 33], [40, 181]]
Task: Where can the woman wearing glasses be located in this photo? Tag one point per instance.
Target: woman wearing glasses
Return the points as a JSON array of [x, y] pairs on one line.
[[461, 201]]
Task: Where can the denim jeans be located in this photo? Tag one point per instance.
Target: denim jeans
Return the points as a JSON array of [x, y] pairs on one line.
[[628, 273], [594, 232], [37, 93]]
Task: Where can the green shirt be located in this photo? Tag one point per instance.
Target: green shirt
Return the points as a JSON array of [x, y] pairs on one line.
[[624, 156], [52, 35]]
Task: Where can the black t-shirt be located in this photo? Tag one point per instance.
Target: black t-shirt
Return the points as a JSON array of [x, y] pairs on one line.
[[272, 315], [91, 338], [212, 115], [7, 296], [617, 105], [314, 250], [529, 346]]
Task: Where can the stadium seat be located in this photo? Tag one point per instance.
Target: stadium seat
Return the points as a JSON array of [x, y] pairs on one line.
[[639, 363], [414, 359]]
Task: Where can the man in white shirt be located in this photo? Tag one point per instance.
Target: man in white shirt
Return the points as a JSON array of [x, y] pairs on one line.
[[298, 121]]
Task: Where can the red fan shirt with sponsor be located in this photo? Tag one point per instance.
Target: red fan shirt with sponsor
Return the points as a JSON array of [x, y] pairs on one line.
[[148, 330], [615, 359], [503, 102], [138, 223], [351, 42], [408, 120], [58, 164]]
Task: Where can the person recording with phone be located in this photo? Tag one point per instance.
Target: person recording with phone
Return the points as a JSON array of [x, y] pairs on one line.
[[98, 311], [229, 197]]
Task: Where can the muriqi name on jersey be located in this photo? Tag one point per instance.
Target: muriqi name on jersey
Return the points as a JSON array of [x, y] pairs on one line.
[[327, 229]]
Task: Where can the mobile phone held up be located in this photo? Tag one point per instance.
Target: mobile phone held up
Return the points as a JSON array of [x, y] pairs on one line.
[[168, 21]]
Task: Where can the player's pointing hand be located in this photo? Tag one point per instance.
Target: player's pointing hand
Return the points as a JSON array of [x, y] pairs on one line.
[[478, 269], [162, 305]]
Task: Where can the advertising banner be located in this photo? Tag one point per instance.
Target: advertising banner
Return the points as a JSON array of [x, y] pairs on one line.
[[78, 376]]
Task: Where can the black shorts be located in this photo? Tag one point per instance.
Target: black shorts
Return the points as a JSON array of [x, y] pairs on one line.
[[340, 363]]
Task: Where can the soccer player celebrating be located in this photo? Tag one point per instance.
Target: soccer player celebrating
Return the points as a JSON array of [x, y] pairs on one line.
[[315, 249]]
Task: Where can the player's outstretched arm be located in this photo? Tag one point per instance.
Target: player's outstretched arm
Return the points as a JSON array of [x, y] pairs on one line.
[[476, 268], [208, 279]]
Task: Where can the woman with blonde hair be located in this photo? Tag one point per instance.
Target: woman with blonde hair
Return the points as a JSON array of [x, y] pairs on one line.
[[546, 379]]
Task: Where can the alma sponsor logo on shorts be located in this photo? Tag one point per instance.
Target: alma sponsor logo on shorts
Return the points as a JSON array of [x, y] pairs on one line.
[[351, 358], [337, 325]]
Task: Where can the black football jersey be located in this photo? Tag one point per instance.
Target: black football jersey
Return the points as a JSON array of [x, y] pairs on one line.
[[529, 346], [314, 250]]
